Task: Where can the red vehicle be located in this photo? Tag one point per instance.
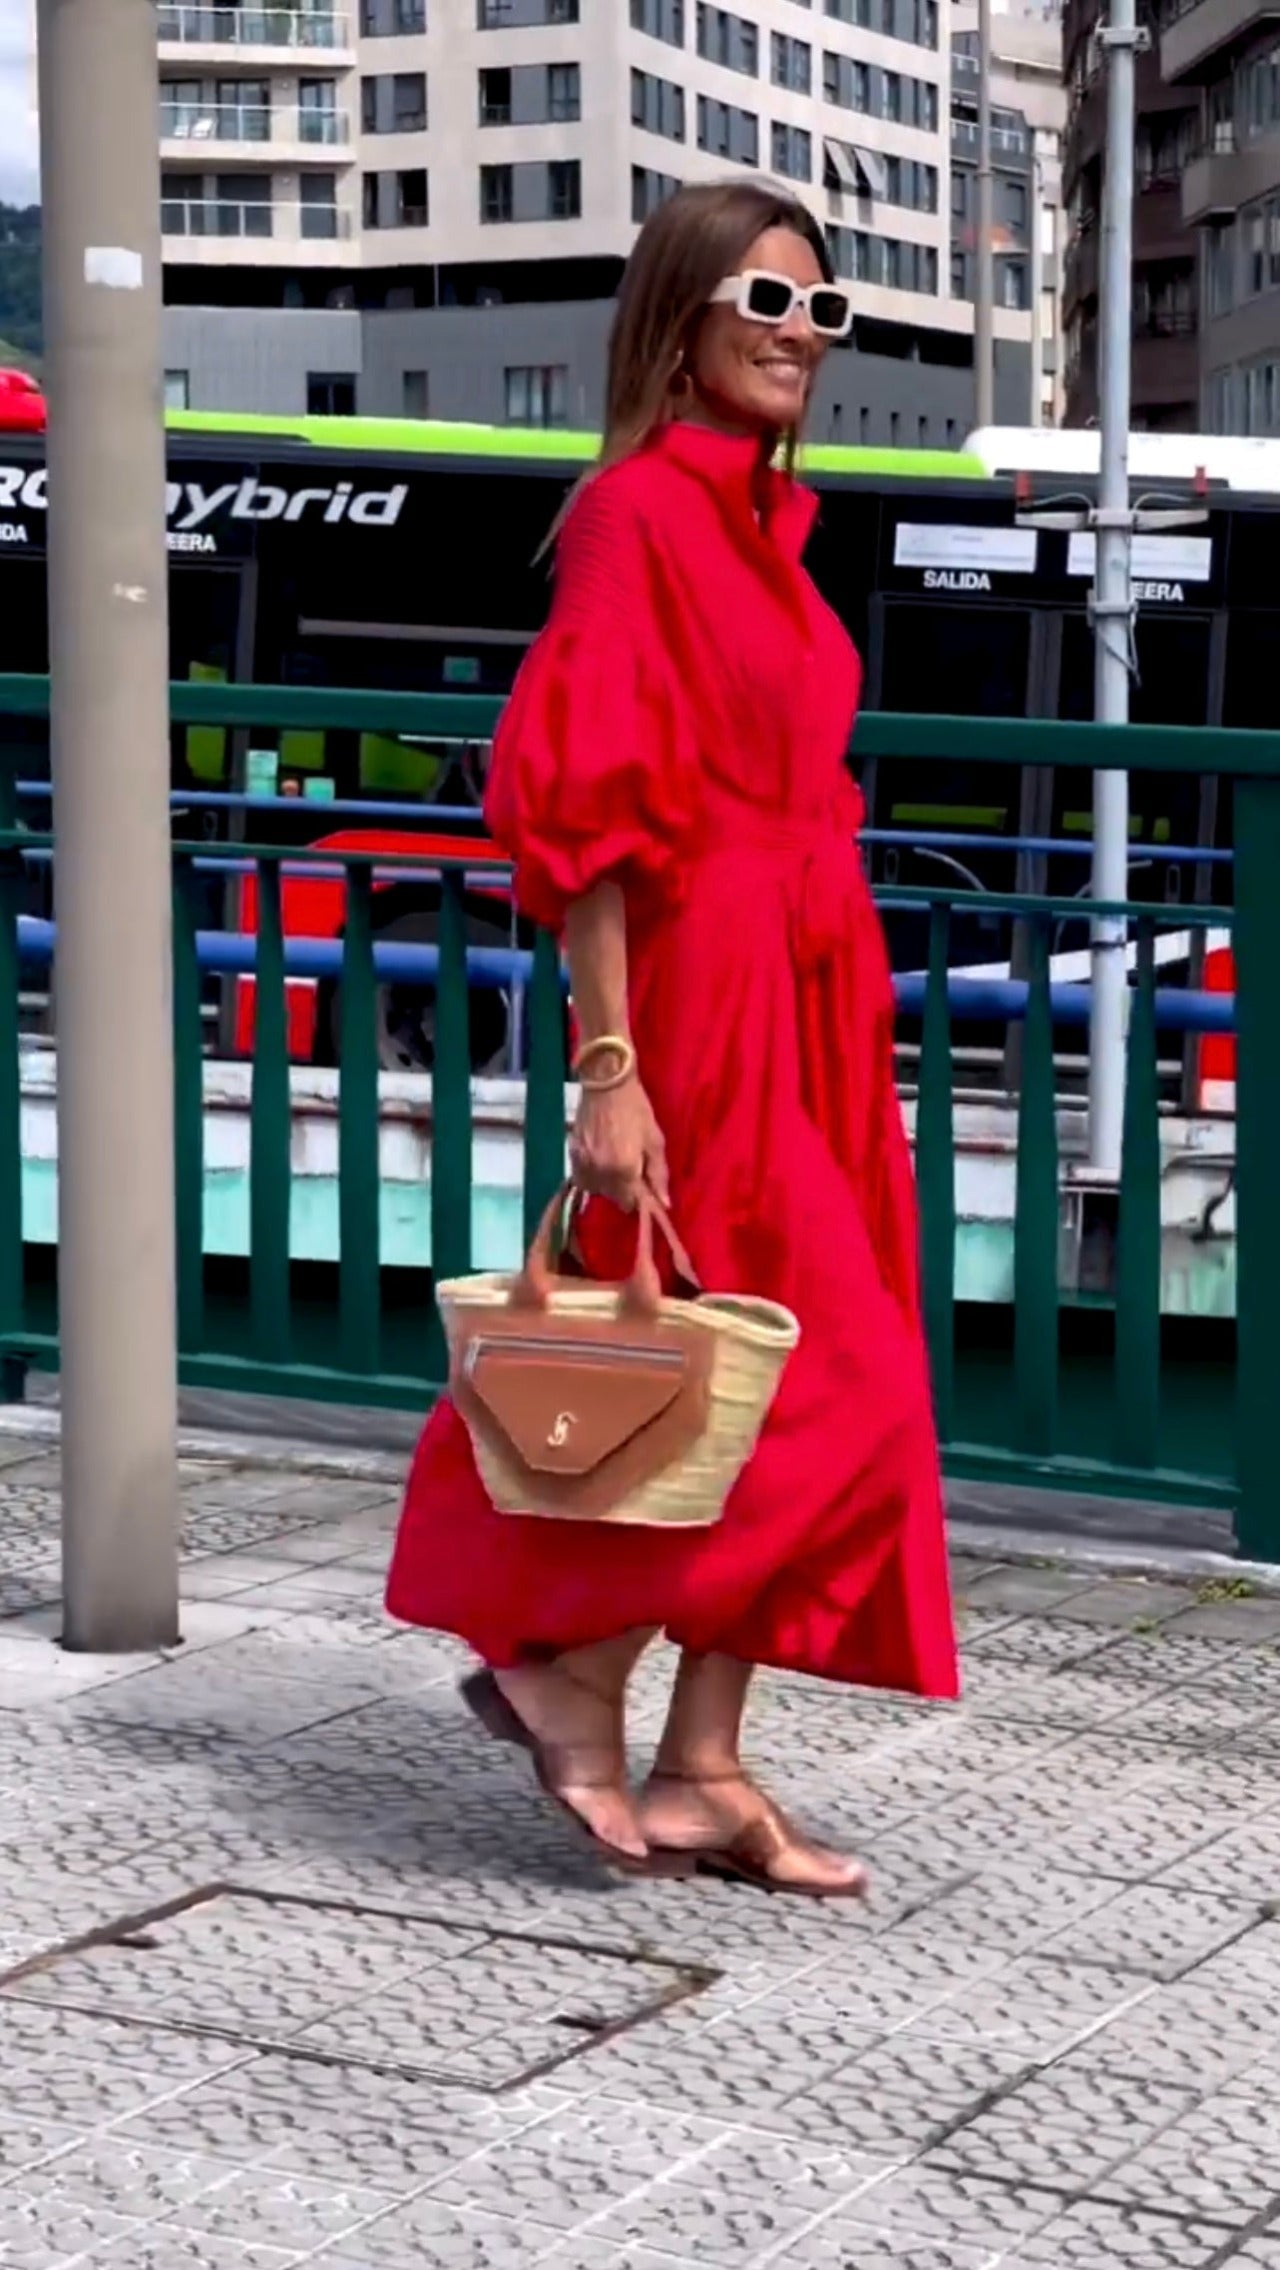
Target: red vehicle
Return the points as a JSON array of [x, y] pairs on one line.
[[22, 405]]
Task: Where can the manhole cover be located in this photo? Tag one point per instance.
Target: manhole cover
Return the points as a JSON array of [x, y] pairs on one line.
[[345, 1985]]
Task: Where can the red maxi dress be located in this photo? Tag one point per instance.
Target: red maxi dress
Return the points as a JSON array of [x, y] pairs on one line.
[[680, 726]]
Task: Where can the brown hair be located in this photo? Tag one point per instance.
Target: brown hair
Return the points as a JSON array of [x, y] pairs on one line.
[[688, 245]]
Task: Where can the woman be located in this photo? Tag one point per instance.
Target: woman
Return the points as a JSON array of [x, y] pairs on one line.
[[669, 781]]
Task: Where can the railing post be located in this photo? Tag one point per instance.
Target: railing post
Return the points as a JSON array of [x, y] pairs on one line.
[[108, 643], [1257, 959]]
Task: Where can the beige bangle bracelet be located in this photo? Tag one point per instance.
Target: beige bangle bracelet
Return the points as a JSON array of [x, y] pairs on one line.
[[608, 1044]]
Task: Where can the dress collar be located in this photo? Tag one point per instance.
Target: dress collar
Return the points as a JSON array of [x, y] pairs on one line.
[[727, 463]]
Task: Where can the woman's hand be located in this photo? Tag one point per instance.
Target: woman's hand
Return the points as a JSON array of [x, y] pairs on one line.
[[616, 1148]]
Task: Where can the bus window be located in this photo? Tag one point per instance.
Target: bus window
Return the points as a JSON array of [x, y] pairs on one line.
[[1171, 688], [962, 662], [204, 626]]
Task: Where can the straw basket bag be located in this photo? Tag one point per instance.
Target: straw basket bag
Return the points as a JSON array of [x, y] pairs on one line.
[[594, 1403]]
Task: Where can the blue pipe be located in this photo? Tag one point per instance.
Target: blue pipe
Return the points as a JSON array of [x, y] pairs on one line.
[[457, 816], [1004, 1000]]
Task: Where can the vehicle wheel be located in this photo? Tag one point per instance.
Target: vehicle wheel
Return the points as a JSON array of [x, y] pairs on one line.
[[405, 1013]]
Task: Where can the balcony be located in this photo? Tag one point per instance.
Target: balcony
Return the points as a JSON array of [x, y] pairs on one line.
[[1199, 35], [1229, 174], [250, 134], [250, 36], [258, 232], [1165, 367], [1006, 141]]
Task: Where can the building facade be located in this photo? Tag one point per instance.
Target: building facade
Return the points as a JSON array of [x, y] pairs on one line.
[[1223, 57], [1028, 117], [424, 208], [1165, 374]]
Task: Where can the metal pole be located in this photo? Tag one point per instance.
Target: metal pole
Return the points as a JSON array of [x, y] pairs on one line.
[[984, 250], [1112, 598], [1036, 404], [108, 652]]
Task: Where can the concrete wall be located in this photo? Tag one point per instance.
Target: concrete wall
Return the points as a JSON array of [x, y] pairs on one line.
[[259, 360], [249, 358]]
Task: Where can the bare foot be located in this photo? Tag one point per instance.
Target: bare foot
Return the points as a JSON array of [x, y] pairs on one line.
[[724, 1816], [580, 1736]]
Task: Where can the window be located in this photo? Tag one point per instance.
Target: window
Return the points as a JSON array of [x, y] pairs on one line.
[[395, 104], [177, 390], [727, 132], [531, 94], [792, 63], [871, 259], [182, 107], [564, 92], [509, 15], [648, 191], [331, 394], [1254, 229], [1014, 196], [564, 189], [242, 205], [661, 19], [495, 98], [319, 203], [410, 15], [415, 389], [241, 111], [538, 395], [409, 102], [1011, 283], [913, 20], [534, 191], [728, 40], [1220, 268], [657, 105], [411, 205], [318, 119], [1273, 244], [959, 193], [791, 152], [1220, 402], [370, 200], [497, 193]]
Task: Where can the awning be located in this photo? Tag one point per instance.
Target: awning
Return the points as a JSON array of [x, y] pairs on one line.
[[859, 172]]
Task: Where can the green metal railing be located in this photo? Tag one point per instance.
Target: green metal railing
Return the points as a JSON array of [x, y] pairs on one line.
[[1099, 1393]]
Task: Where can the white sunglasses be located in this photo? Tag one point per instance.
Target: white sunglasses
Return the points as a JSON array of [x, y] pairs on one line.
[[763, 297]]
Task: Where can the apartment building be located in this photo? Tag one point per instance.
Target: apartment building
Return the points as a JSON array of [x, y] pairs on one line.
[[1165, 375], [424, 207], [1028, 116], [1222, 58]]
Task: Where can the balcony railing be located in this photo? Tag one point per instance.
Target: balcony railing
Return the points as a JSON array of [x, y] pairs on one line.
[[251, 122], [253, 218], [1012, 140], [185, 25]]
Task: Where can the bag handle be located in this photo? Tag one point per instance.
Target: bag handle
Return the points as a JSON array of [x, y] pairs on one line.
[[642, 1292]]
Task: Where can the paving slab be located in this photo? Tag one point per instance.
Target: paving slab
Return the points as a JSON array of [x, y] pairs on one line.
[[296, 1969]]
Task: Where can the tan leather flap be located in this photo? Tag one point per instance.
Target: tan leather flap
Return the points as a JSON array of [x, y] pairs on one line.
[[564, 1410]]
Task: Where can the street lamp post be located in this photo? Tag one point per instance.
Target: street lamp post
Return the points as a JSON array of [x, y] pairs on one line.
[[108, 654]]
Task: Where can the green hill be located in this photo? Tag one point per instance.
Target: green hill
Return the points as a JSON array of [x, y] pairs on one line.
[[20, 324]]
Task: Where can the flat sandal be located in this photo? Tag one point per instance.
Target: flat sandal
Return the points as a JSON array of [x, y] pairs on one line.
[[749, 1856], [502, 1722]]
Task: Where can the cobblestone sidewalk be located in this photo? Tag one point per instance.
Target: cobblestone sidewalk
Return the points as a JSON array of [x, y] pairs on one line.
[[364, 2004]]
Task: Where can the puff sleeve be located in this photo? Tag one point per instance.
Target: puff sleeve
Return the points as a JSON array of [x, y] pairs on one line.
[[594, 769]]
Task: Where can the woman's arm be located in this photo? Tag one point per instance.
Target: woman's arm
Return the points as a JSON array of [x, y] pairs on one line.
[[617, 1146]]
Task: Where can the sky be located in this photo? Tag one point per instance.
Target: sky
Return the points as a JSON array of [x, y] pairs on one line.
[[18, 147]]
